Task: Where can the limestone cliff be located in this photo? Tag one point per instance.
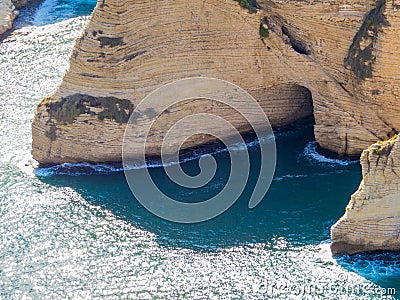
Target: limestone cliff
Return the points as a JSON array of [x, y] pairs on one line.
[[297, 58], [372, 218]]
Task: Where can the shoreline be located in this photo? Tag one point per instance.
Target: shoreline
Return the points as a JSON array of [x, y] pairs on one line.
[[250, 140]]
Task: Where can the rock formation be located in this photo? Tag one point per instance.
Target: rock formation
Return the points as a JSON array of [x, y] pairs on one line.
[[7, 15], [335, 60], [372, 218]]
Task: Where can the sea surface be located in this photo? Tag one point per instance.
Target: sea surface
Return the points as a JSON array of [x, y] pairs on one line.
[[73, 233]]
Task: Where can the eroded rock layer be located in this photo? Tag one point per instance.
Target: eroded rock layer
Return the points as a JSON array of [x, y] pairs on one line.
[[295, 57], [372, 218]]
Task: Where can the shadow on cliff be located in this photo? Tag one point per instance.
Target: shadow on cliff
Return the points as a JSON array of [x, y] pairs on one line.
[[305, 199]]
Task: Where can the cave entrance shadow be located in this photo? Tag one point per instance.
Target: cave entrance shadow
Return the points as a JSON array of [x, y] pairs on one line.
[[287, 105], [298, 209]]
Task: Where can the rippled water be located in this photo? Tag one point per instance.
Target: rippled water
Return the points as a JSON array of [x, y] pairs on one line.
[[85, 236]]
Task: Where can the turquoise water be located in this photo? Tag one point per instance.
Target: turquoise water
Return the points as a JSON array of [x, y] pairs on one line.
[[64, 234]]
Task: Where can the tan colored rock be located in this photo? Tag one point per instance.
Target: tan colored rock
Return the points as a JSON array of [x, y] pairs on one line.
[[131, 48], [372, 218], [7, 15], [331, 31]]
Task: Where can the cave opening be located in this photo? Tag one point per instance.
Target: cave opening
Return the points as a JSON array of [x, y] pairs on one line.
[[288, 105]]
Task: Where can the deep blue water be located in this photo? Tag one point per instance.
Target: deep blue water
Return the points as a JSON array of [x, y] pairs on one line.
[[84, 235], [53, 11], [305, 199]]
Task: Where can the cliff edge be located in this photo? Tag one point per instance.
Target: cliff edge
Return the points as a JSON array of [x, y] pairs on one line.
[[333, 60], [372, 218]]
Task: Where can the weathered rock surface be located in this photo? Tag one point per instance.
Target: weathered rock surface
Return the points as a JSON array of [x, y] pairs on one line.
[[8, 14], [372, 218], [309, 63]]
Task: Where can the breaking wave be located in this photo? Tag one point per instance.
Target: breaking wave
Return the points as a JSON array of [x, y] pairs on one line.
[[313, 156]]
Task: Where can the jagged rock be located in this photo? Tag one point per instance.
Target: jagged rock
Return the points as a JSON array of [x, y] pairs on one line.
[[19, 3], [372, 218], [309, 62], [7, 15]]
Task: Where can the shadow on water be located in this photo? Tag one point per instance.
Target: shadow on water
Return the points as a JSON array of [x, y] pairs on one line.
[[304, 200]]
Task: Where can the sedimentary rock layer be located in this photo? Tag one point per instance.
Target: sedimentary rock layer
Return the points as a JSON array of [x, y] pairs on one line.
[[372, 218], [296, 58]]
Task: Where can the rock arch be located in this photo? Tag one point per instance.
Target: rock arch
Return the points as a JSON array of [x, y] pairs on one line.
[[125, 53]]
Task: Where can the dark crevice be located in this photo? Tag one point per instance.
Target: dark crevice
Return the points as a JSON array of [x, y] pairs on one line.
[[298, 45], [110, 41], [90, 75], [134, 55]]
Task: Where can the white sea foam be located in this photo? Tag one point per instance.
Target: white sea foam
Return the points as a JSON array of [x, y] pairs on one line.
[[312, 155], [290, 176], [90, 169], [43, 13], [373, 265], [76, 169]]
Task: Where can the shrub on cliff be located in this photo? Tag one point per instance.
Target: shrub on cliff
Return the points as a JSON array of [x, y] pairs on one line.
[[251, 5], [264, 32]]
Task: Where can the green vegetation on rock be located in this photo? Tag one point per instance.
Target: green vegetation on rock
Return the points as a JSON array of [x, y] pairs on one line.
[[264, 32], [384, 147], [68, 108], [360, 59], [251, 5], [110, 41]]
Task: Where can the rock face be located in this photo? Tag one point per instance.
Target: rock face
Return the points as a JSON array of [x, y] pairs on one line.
[[7, 15], [336, 60], [372, 218]]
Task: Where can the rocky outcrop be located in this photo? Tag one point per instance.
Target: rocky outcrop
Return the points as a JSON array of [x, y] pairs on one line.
[[372, 218], [296, 58], [7, 15], [20, 3]]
